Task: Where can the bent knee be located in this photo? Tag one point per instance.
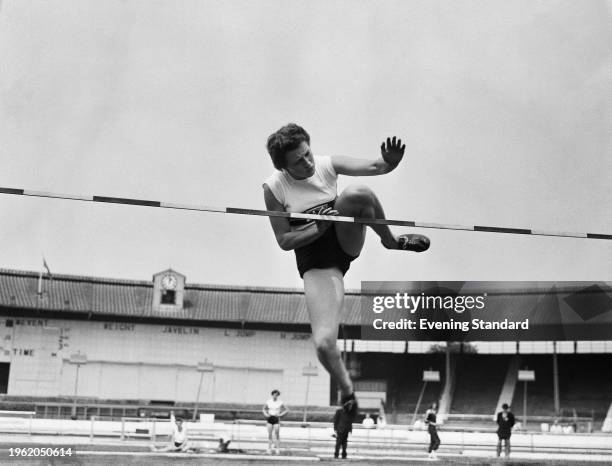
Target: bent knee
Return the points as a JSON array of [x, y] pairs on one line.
[[325, 345], [357, 192]]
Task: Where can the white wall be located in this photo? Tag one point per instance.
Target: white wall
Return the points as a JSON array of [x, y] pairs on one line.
[[142, 361]]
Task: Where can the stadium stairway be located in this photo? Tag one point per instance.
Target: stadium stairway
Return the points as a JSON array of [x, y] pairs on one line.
[[446, 399], [507, 392], [607, 424]]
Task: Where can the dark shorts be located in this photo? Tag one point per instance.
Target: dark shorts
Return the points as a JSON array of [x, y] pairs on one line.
[[178, 445], [272, 420], [324, 253]]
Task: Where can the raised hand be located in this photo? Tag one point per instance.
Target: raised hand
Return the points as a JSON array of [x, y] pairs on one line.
[[393, 151]]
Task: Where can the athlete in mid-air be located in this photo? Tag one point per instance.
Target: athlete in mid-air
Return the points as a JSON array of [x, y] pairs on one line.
[[324, 250]]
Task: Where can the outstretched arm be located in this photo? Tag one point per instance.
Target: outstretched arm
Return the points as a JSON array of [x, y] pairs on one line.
[[391, 155], [172, 425]]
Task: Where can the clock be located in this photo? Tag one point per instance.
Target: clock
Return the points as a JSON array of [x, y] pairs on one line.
[[168, 282]]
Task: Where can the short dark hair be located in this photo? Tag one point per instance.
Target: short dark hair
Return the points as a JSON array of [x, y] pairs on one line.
[[505, 406], [275, 391], [287, 138]]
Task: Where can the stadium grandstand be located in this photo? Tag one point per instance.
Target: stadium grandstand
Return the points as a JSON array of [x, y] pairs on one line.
[[143, 348]]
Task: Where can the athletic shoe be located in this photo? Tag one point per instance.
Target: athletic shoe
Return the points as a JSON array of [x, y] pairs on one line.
[[413, 242], [277, 451], [268, 452]]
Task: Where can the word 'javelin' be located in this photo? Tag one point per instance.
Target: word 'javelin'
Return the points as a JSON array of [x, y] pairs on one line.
[[331, 218]]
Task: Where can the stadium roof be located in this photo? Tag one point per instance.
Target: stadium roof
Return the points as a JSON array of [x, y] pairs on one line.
[[93, 296], [552, 304]]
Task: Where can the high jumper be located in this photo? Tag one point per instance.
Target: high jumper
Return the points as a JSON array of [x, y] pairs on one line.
[[305, 183]]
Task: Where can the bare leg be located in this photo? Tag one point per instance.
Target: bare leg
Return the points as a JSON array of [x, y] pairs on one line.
[[324, 292], [277, 436], [167, 448], [360, 201], [270, 438]]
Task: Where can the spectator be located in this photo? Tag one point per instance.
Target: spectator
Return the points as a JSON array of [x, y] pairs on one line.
[[432, 428], [368, 422], [505, 422], [223, 446], [273, 410], [343, 425], [178, 439], [556, 428]]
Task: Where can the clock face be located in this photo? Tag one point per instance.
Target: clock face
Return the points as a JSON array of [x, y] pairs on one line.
[[169, 282]]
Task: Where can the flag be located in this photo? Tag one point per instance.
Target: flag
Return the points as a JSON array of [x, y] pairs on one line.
[[46, 266], [40, 276]]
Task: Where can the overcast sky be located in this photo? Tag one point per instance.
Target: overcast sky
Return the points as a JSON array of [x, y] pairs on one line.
[[505, 108]]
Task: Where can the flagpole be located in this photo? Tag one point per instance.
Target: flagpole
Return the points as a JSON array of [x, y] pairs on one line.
[[40, 283], [45, 266]]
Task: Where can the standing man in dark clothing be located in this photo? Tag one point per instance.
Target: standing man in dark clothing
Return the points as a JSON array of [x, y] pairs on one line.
[[505, 421], [343, 425], [432, 428]]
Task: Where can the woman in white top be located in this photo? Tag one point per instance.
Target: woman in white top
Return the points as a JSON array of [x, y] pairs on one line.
[[273, 410], [324, 250]]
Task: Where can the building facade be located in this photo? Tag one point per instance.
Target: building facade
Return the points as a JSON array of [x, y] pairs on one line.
[[154, 340]]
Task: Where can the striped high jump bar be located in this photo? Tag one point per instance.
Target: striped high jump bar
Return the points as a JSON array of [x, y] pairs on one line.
[[331, 218]]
